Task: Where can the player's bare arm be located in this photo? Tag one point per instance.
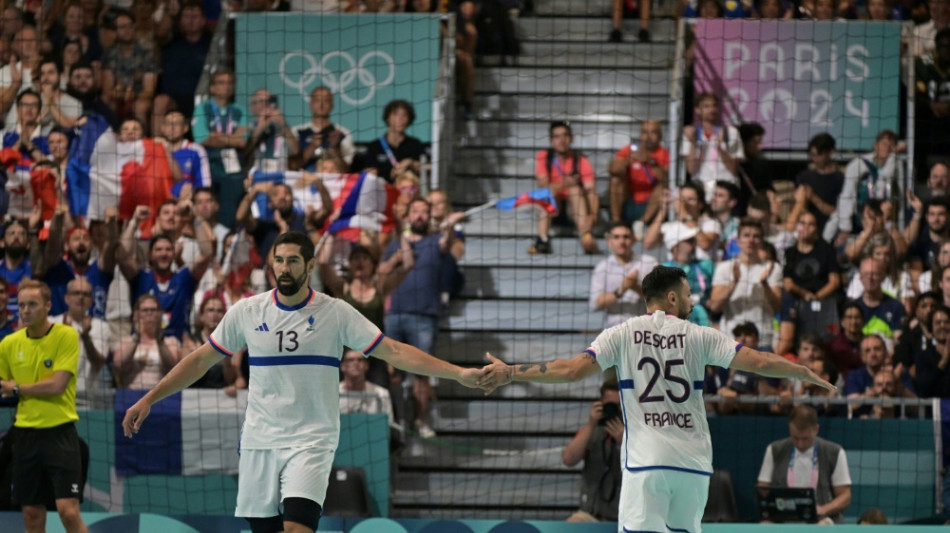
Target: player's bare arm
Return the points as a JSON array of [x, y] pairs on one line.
[[188, 371], [774, 366], [412, 359], [498, 373]]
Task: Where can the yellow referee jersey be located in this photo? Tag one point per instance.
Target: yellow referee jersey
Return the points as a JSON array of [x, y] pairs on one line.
[[29, 361]]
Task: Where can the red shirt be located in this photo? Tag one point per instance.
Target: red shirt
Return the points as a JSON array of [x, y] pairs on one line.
[[561, 168], [643, 179]]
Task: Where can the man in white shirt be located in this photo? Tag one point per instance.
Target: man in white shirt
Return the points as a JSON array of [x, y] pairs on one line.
[[295, 337], [359, 395], [59, 108], [615, 285], [660, 360], [94, 340], [17, 76], [712, 150], [322, 138], [923, 40], [804, 460]]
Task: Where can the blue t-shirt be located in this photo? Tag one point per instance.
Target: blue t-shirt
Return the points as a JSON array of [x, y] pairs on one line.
[[859, 381], [63, 272], [886, 318], [420, 292], [14, 277], [175, 296]]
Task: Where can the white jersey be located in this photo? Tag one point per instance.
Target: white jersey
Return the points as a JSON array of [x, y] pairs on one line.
[[661, 362], [294, 354]]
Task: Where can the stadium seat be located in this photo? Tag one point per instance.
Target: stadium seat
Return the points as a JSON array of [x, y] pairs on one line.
[[721, 506], [347, 495]]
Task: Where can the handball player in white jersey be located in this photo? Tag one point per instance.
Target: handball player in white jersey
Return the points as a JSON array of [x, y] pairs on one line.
[[295, 338], [660, 359]]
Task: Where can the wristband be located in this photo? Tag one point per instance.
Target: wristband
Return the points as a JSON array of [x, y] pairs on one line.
[[16, 390], [619, 292]]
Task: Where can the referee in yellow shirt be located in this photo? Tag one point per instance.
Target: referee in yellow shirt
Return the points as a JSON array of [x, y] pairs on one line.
[[39, 362]]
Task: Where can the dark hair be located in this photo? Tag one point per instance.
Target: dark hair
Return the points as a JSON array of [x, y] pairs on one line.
[[852, 305], [560, 124], [360, 250], [29, 92], [939, 201], [749, 130], [750, 223], [660, 281], [706, 95], [221, 72], [208, 190], [609, 384], [875, 516], [939, 308], [730, 187], [58, 129], [803, 416], [618, 224], [886, 134], [5, 284], [760, 201], [204, 303], [942, 34], [54, 61], [155, 238], [320, 88], [746, 328], [874, 204], [700, 193], [80, 65], [830, 369], [823, 142], [932, 295], [392, 106], [301, 240], [812, 338], [770, 249]]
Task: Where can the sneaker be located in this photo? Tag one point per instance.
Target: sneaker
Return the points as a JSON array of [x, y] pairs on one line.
[[424, 430], [540, 247], [644, 36], [616, 36]]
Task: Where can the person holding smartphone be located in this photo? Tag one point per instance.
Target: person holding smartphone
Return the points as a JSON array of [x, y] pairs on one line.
[[272, 142]]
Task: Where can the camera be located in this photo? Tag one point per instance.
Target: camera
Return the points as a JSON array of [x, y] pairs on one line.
[[272, 101], [610, 412]]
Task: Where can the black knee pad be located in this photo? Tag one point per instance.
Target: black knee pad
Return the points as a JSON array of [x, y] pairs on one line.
[[302, 511], [271, 524]]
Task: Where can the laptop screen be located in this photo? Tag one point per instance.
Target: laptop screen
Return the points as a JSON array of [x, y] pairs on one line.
[[787, 504]]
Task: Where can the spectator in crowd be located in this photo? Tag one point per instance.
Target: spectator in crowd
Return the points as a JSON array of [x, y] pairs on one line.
[[58, 142], [21, 147], [791, 463], [755, 174], [15, 265], [938, 182], [818, 187], [408, 185], [69, 30], [923, 238], [930, 376], [740, 382], [224, 373], [925, 280], [712, 150], [206, 208], [622, 9], [747, 289], [395, 152], [84, 87], [598, 443], [129, 73], [416, 303], [886, 385], [825, 370], [896, 284], [11, 22], [368, 286], [17, 76], [95, 340], [145, 356], [810, 282], [58, 270], [191, 157], [182, 63], [272, 143], [639, 176], [844, 349], [918, 333], [932, 100], [760, 210], [925, 35], [877, 225], [38, 364], [174, 290], [570, 177], [357, 393], [860, 382], [320, 137], [872, 516], [58, 108], [689, 211], [882, 314], [699, 272], [722, 209], [466, 43], [280, 198], [876, 176], [453, 280], [7, 324], [615, 285], [221, 127]]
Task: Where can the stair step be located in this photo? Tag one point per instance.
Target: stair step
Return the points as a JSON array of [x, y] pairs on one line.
[[495, 489], [513, 415], [630, 109], [531, 315], [469, 348], [555, 80], [468, 190], [500, 162], [587, 29], [588, 134], [597, 55], [510, 282], [475, 452]]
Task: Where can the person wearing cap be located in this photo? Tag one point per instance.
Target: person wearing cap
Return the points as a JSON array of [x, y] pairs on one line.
[[699, 272], [615, 286]]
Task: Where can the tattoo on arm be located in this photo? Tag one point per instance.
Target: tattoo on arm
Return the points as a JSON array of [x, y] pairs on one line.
[[543, 367], [590, 358]]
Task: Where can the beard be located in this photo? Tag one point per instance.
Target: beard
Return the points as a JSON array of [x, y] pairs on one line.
[[286, 212], [79, 256], [289, 286], [420, 227], [16, 251]]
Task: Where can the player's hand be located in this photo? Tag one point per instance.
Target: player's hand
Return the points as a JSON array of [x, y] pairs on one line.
[[596, 411], [812, 377], [494, 375], [614, 428], [134, 417], [470, 376]]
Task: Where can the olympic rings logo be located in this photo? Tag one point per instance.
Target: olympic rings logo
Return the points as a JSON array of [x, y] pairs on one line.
[[353, 71]]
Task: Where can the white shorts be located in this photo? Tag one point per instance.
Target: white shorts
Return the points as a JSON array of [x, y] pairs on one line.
[[662, 500], [267, 477]]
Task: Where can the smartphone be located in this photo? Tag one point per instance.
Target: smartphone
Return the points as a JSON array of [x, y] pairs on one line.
[[272, 101]]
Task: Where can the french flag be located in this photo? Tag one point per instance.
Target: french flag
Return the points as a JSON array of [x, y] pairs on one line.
[[539, 197]]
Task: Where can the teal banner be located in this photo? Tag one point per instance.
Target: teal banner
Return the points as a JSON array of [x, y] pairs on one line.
[[801, 78], [365, 60]]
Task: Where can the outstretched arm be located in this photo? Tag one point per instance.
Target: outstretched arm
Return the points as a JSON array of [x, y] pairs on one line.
[[577, 368], [411, 359], [775, 366]]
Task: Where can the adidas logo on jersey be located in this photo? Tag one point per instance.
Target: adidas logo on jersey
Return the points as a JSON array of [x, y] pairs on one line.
[[262, 327]]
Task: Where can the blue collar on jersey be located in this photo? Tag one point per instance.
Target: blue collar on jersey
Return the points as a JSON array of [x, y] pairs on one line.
[[283, 307]]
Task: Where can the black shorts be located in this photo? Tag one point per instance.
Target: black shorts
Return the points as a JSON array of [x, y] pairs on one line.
[[47, 462]]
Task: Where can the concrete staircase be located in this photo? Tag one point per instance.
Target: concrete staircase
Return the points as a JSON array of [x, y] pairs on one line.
[[500, 456]]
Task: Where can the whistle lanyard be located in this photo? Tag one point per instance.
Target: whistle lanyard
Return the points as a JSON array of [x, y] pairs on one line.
[[814, 467]]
